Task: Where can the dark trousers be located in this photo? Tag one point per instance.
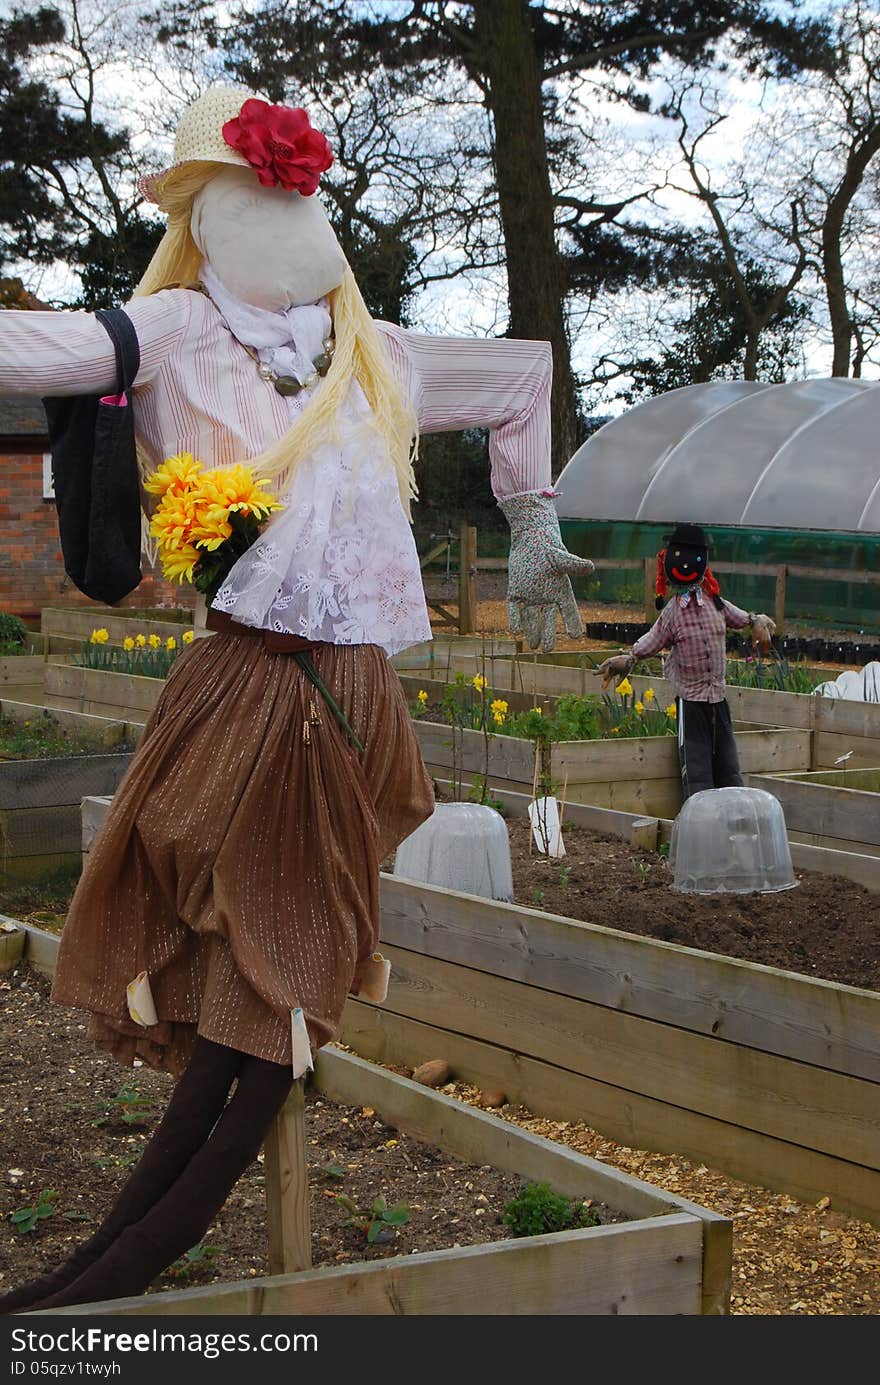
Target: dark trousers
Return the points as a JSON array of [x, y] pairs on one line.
[[706, 747]]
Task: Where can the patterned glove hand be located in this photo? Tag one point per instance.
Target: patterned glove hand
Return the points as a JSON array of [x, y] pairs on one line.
[[618, 666], [763, 630], [538, 568]]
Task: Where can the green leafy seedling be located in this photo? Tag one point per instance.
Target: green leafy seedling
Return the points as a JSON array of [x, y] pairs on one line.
[[193, 1259], [127, 1107], [380, 1223], [332, 1170], [28, 1218]]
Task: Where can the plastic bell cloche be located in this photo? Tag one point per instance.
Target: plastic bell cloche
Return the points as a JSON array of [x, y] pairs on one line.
[[461, 846], [731, 841]]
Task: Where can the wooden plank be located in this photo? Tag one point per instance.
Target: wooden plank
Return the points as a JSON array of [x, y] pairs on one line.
[[839, 845], [634, 1120], [79, 624], [50, 783], [650, 1268], [509, 757], [39, 832], [287, 1188], [853, 865], [847, 814], [467, 579], [864, 751], [104, 731], [794, 1101], [95, 685], [842, 717], [798, 1017], [779, 598], [41, 948], [643, 833]]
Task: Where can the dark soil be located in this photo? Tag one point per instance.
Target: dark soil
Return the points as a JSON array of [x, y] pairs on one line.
[[73, 1121], [826, 926]]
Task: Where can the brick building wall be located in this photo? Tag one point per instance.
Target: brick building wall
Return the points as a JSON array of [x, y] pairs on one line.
[[31, 568]]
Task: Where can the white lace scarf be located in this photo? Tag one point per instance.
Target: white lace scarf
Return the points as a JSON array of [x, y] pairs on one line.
[[338, 563]]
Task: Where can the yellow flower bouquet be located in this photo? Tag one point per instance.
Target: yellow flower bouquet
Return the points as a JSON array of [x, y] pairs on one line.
[[205, 519]]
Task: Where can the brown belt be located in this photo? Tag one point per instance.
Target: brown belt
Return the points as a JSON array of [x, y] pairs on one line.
[[274, 640]]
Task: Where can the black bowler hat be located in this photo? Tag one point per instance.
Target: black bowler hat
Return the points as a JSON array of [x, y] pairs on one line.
[[689, 535]]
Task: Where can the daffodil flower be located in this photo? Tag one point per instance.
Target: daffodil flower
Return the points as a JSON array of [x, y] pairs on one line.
[[624, 687], [128, 643], [171, 642], [479, 682], [140, 641], [649, 694], [155, 641], [672, 710], [639, 707], [422, 696], [188, 636]]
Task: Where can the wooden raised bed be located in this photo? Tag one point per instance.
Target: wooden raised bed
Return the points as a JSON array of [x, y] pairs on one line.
[[837, 810], [40, 808], [97, 692], [437, 657], [75, 624], [837, 725], [673, 1257], [772, 1076], [634, 774]]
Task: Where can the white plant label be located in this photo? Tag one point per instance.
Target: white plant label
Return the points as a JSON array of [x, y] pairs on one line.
[[546, 829]]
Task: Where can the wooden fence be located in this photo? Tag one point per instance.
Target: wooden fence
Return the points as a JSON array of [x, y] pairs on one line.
[[469, 565]]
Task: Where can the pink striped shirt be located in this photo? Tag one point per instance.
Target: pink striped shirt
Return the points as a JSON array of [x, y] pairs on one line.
[[197, 391], [693, 631]]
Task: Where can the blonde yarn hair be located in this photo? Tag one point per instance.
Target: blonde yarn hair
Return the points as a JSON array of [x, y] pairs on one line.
[[358, 354]]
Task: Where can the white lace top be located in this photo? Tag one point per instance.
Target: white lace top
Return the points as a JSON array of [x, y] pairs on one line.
[[339, 562]]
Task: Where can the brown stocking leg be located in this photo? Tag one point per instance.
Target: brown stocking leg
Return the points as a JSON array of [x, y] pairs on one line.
[[195, 1106], [180, 1219]]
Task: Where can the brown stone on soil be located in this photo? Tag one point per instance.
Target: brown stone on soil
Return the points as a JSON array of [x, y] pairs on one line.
[[493, 1096], [434, 1073]]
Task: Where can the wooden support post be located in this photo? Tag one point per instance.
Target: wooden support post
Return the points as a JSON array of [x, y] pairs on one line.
[[779, 613], [650, 575], [643, 833], [287, 1188], [467, 580]]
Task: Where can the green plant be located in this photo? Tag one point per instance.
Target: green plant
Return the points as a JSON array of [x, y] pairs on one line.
[[663, 850], [479, 793], [642, 866], [13, 632], [28, 1218], [332, 1170], [193, 1259], [565, 876], [537, 1210], [538, 897], [776, 673], [127, 1107], [147, 656], [380, 1223]]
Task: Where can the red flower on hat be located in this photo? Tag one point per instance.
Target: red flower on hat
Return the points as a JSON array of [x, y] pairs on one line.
[[281, 144]]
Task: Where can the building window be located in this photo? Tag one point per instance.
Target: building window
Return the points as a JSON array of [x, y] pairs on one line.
[[48, 484]]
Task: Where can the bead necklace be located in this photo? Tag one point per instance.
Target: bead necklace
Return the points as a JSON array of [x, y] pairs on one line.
[[289, 384]]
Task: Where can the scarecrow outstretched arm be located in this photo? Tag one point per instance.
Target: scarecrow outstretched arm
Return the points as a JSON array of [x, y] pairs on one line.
[[69, 352], [471, 382], [502, 385]]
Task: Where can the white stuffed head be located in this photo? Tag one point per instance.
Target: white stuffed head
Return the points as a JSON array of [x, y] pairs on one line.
[[269, 247]]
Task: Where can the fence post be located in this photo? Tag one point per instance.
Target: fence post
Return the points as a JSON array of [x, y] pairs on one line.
[[287, 1187], [467, 580], [779, 616], [650, 573]]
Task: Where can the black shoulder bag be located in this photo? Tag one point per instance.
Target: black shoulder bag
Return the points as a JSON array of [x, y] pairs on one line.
[[95, 473]]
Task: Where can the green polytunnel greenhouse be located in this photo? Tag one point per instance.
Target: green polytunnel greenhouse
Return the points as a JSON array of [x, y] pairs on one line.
[[777, 474]]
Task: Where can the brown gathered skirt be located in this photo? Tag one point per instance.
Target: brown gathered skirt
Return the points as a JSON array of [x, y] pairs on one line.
[[239, 863]]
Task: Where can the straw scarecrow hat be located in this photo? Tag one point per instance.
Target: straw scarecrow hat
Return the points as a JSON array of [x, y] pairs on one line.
[[232, 125]]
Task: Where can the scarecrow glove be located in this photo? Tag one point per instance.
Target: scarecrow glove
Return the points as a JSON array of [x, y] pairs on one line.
[[763, 630], [538, 568], [618, 666]]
